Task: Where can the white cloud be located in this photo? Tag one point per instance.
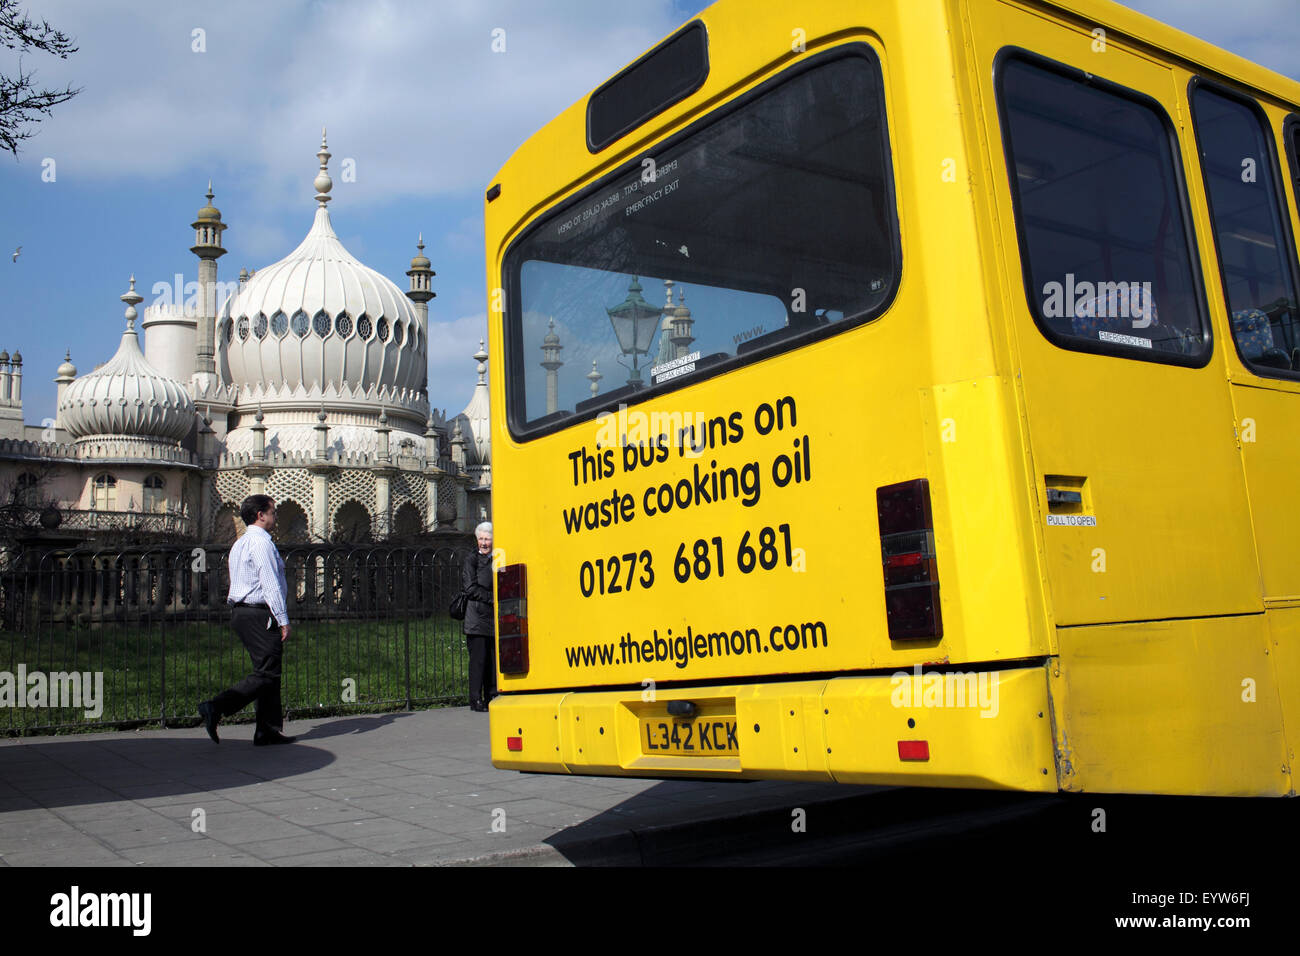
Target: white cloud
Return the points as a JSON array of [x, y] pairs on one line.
[[411, 91], [451, 360]]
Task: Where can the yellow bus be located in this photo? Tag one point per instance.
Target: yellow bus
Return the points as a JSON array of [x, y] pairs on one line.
[[904, 393]]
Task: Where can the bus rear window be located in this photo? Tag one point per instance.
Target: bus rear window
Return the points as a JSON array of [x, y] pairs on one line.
[[1101, 213], [768, 224]]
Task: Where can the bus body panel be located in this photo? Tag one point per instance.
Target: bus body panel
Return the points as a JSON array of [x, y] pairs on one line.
[[1190, 706], [883, 424], [845, 729], [1284, 653], [1266, 421]]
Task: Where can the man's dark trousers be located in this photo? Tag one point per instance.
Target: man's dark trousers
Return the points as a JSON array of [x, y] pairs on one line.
[[263, 685]]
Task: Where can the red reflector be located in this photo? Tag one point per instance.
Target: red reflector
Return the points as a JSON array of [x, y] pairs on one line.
[[904, 560], [514, 743], [914, 750]]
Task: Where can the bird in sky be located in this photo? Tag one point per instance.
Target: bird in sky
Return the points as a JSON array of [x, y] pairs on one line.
[[17, 252]]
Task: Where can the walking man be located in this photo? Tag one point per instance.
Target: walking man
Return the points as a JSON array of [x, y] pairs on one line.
[[260, 618]]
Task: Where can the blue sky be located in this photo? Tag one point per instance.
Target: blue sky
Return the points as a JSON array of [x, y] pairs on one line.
[[412, 93]]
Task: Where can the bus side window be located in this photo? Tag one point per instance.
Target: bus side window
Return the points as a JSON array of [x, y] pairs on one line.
[[1251, 228], [1105, 240]]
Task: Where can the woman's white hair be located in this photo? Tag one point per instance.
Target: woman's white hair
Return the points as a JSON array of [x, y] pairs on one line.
[[484, 527]]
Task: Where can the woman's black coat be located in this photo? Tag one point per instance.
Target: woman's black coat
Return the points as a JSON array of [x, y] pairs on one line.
[[476, 579]]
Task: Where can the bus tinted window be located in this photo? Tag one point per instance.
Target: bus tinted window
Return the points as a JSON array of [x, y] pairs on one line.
[[1100, 208], [1246, 212], [770, 224]]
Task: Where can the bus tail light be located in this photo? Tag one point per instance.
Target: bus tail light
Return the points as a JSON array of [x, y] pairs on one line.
[[512, 619], [907, 553]]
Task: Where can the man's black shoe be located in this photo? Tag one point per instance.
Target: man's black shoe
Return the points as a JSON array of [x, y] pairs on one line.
[[265, 740], [210, 720]]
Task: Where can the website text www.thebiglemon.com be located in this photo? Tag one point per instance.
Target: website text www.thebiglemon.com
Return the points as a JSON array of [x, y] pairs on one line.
[[681, 649]]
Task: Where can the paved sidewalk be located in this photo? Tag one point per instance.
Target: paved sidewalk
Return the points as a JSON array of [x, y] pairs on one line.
[[377, 790]]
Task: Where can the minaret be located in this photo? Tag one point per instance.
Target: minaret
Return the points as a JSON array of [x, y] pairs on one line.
[[665, 353], [11, 413], [420, 293], [208, 228], [682, 325], [63, 378], [551, 362]]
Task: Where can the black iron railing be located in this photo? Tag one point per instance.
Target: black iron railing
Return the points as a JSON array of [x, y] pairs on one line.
[[370, 631]]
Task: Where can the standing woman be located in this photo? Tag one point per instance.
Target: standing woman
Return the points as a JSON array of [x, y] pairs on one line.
[[480, 620]]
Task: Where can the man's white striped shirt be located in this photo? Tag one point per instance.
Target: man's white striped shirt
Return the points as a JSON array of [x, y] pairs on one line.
[[257, 573]]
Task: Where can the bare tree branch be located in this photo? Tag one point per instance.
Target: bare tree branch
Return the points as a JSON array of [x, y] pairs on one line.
[[21, 102]]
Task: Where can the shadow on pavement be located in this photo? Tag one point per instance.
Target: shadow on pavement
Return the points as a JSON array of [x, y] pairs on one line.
[[682, 821], [353, 725], [70, 771]]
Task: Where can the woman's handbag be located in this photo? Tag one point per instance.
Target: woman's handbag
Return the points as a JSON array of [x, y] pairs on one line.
[[458, 605]]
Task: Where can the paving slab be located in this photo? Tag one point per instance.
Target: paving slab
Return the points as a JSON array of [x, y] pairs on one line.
[[397, 789]]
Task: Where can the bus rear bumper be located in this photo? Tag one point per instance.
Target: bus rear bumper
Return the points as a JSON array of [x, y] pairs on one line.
[[985, 729]]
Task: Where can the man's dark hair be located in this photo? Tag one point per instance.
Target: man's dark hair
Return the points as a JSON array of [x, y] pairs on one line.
[[252, 505]]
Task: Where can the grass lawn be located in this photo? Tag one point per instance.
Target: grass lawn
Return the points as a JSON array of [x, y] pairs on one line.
[[164, 670]]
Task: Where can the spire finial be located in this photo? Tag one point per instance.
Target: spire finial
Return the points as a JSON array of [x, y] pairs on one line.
[[131, 297], [481, 356], [594, 377], [419, 242], [323, 183], [210, 193]]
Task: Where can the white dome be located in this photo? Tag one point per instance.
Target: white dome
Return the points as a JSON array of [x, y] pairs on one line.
[[320, 318], [127, 397]]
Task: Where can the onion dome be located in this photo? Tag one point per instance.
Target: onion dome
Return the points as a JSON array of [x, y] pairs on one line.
[[18, 358], [4, 355], [321, 318], [126, 397], [209, 213], [420, 260], [682, 312], [66, 371]]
